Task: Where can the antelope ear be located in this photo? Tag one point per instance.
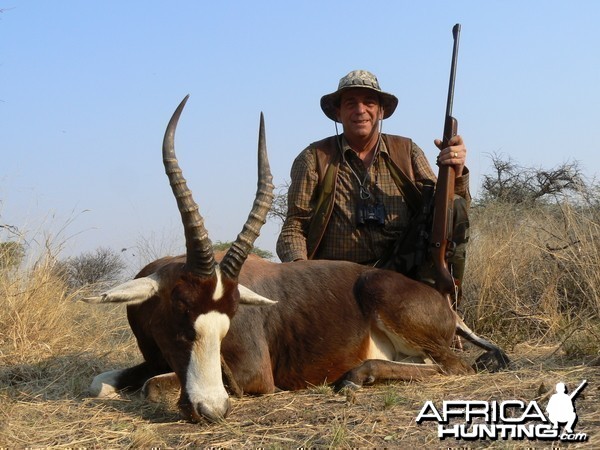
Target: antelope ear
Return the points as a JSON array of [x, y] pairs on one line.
[[130, 292], [249, 297]]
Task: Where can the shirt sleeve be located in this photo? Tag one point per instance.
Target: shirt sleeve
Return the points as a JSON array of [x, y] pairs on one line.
[[291, 244], [423, 171]]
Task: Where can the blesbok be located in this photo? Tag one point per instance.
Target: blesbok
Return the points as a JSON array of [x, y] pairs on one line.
[[274, 325]]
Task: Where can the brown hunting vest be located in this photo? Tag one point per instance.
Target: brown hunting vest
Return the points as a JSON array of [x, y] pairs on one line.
[[327, 153]]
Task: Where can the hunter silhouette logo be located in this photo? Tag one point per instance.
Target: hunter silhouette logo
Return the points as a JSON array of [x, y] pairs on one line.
[[561, 407], [509, 419]]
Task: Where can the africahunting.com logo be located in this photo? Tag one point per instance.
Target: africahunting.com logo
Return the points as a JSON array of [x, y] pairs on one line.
[[472, 420]]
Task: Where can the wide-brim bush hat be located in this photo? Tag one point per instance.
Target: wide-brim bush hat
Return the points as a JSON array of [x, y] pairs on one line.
[[358, 79]]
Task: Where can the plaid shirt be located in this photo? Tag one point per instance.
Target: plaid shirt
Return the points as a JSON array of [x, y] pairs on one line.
[[345, 238]]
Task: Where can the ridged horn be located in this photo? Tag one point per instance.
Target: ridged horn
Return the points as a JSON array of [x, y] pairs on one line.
[[199, 250], [240, 249]]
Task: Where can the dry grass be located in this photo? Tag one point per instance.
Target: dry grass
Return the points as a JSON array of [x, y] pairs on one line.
[[37, 414], [539, 302], [533, 275]]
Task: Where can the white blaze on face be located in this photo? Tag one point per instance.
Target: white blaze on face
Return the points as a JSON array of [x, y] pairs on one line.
[[204, 384]]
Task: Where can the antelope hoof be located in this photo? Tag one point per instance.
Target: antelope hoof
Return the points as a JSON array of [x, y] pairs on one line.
[[491, 361], [104, 385], [356, 378], [160, 388], [346, 385]]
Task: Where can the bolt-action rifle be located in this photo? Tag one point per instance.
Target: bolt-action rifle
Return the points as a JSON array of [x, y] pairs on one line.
[[442, 246]]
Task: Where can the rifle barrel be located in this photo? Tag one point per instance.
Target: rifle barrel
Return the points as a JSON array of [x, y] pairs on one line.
[[449, 102]]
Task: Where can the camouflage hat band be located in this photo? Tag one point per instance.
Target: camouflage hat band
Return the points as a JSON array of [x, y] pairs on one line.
[[358, 79]]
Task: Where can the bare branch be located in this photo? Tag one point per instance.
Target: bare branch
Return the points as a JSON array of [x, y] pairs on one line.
[[279, 207]]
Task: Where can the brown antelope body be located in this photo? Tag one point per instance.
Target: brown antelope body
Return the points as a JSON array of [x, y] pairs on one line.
[[274, 325]]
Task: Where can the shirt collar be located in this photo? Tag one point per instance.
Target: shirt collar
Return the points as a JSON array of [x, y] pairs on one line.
[[346, 146]]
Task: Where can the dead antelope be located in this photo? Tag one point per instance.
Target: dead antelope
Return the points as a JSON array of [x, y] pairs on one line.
[[274, 325]]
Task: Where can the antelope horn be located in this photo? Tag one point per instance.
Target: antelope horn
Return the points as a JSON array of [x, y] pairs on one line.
[[199, 250], [239, 250]]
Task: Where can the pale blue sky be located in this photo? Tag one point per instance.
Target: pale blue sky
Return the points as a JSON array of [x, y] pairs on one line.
[[87, 88]]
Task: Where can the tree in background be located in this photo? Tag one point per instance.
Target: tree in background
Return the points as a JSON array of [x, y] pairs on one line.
[[100, 267], [218, 246], [278, 209], [11, 254], [515, 184]]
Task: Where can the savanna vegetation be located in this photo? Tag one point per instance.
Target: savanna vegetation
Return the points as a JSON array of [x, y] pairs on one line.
[[532, 285]]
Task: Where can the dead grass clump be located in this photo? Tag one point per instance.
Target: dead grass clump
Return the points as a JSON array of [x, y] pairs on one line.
[[532, 271], [33, 312], [50, 348], [40, 317]]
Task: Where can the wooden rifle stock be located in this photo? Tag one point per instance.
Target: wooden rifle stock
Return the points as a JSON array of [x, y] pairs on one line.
[[441, 235]]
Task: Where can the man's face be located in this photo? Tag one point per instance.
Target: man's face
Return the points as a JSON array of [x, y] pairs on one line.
[[359, 112]]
